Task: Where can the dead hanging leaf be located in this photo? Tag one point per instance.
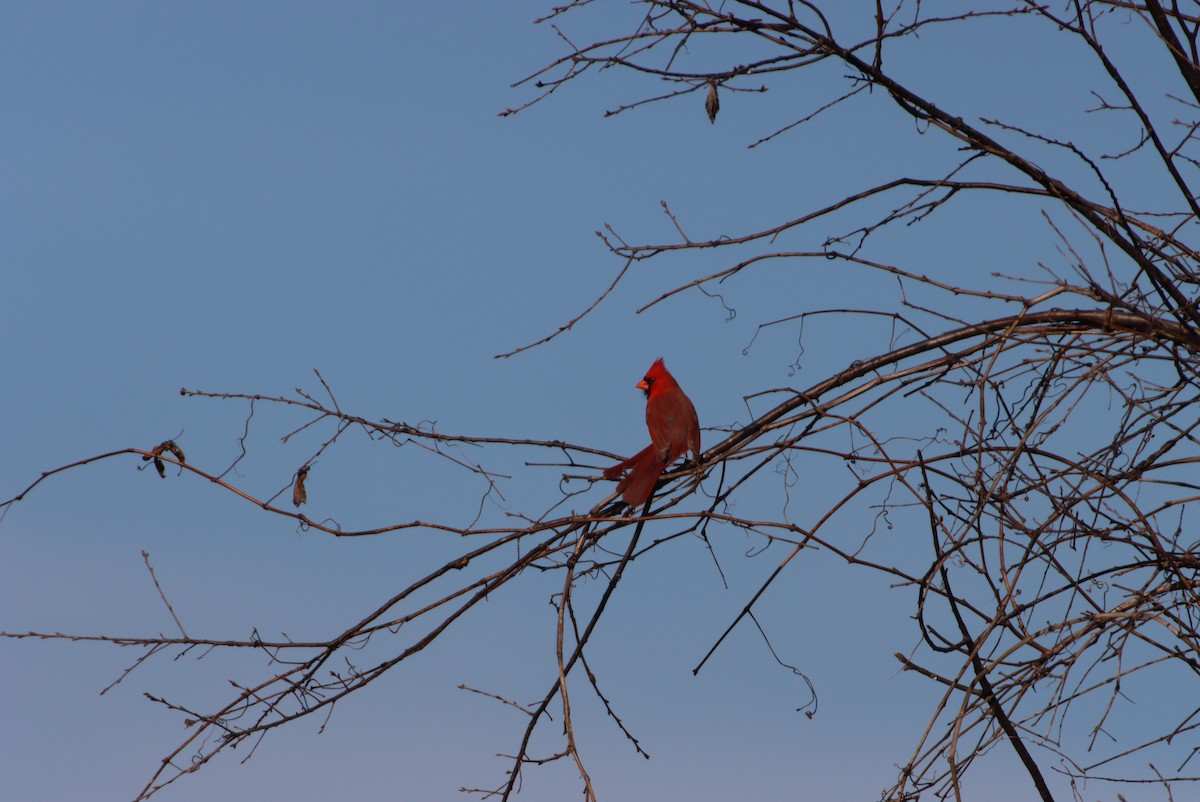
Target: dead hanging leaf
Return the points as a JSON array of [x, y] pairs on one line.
[[712, 104], [299, 494], [171, 446], [156, 453]]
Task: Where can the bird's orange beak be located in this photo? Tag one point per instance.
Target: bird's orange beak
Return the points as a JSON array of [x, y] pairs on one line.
[[643, 386]]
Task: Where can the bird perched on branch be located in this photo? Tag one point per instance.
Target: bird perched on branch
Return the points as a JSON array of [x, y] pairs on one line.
[[674, 430]]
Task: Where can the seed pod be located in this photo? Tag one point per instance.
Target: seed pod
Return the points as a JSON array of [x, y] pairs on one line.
[[299, 494]]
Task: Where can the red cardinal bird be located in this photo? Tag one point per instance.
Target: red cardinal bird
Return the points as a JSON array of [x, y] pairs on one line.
[[674, 430]]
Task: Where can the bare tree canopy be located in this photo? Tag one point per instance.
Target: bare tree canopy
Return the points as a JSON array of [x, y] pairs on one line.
[[1009, 399]]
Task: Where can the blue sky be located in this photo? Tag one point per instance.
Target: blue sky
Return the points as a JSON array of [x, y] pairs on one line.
[[226, 197]]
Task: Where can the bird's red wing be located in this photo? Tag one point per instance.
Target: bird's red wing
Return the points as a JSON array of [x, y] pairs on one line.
[[674, 427]]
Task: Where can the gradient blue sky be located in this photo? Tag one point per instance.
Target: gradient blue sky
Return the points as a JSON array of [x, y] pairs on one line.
[[226, 196]]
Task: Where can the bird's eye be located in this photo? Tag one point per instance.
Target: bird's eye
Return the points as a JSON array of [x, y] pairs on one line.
[[649, 380]]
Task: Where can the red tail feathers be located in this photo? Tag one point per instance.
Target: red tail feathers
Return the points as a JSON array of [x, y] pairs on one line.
[[644, 469]]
